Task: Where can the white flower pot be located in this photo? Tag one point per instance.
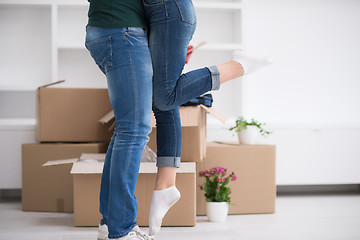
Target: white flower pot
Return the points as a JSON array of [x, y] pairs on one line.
[[217, 211], [249, 135]]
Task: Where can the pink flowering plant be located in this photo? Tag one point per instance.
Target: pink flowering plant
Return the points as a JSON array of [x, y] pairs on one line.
[[215, 185]]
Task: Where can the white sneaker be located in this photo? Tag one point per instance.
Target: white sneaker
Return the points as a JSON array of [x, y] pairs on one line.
[[140, 234], [102, 232], [134, 234]]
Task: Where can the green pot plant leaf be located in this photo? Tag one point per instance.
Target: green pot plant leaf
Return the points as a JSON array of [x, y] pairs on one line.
[[247, 130]]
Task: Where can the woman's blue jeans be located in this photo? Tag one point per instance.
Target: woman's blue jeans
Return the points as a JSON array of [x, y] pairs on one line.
[[123, 56], [172, 24]]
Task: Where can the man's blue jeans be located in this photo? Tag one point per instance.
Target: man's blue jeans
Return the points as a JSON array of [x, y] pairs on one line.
[[172, 25], [123, 56]]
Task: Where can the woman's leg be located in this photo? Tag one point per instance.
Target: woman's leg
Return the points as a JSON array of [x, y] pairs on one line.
[[168, 124], [165, 178], [172, 24], [124, 56], [168, 140], [168, 49], [230, 70], [241, 64]]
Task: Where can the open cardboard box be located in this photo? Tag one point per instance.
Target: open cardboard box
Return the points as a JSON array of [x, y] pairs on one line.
[[193, 122], [71, 114], [87, 171], [50, 189]]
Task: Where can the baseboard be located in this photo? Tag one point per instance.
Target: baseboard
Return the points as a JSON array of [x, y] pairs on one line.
[[10, 193], [318, 188], [16, 193]]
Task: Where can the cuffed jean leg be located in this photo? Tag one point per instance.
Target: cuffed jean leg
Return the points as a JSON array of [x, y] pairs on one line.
[[215, 77], [168, 137]]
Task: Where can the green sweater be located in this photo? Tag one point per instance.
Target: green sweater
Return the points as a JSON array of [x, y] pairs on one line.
[[116, 13]]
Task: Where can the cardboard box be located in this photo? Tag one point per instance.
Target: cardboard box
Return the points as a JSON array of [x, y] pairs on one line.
[[87, 180], [72, 114], [193, 145], [193, 122], [50, 189], [254, 191]]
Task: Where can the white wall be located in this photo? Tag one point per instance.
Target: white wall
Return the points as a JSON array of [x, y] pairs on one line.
[[316, 46], [25, 46], [310, 96]]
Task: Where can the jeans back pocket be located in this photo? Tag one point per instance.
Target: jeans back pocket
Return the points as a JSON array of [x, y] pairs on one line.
[[101, 51], [187, 11]]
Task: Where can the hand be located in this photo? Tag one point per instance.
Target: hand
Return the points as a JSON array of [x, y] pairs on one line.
[[189, 52]]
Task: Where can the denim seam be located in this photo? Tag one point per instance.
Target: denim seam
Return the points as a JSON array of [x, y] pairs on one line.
[[111, 54], [130, 145], [136, 99], [123, 212], [166, 53], [174, 136], [106, 168], [130, 148], [166, 11], [135, 117]]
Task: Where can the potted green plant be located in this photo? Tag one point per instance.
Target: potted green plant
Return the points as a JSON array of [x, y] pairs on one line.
[[217, 193], [248, 130]]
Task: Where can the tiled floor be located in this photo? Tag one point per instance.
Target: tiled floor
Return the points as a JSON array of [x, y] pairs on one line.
[[301, 216]]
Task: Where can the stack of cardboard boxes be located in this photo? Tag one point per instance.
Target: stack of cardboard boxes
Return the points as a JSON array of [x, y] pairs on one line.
[[87, 177], [68, 125]]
